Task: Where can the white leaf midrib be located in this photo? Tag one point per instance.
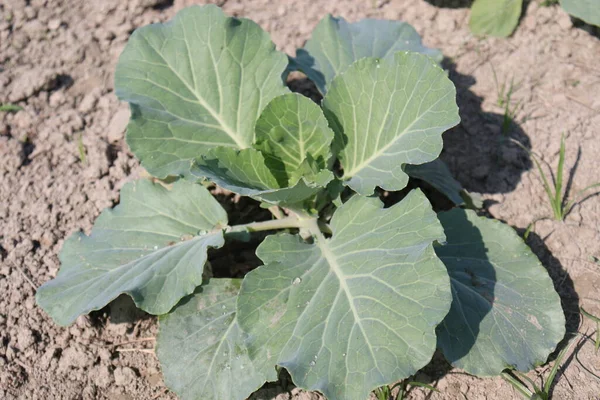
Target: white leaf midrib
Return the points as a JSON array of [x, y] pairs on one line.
[[335, 267]]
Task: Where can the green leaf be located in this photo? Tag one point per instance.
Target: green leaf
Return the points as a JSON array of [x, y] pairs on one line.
[[151, 246], [495, 17], [354, 312], [437, 174], [202, 350], [336, 44], [386, 113], [586, 10], [8, 107], [245, 172], [505, 312], [292, 130], [197, 82]]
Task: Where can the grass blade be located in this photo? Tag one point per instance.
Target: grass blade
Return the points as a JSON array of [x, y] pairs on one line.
[[556, 366], [571, 203], [424, 385], [545, 183], [536, 389], [597, 320], [517, 384], [81, 148], [558, 201]]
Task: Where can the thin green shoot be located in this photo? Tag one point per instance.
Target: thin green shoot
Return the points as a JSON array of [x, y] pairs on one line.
[[595, 260], [531, 227], [518, 379], [8, 107], [597, 321], [510, 114], [505, 93], [81, 147], [559, 203], [385, 392]]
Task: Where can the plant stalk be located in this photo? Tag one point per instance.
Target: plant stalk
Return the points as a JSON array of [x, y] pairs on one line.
[[284, 223]]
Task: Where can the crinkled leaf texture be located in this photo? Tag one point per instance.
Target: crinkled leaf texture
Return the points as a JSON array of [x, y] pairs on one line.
[[437, 174], [586, 10], [354, 312], [245, 172], [505, 312], [195, 83], [151, 246], [202, 350], [387, 113], [495, 17], [336, 44], [289, 162], [294, 136]]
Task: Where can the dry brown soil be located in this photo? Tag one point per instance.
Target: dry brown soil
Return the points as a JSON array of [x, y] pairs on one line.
[[57, 59]]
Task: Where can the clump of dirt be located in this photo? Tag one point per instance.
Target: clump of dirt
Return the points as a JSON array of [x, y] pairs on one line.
[[64, 160]]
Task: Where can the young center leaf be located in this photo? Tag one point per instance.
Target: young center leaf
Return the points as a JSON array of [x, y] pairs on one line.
[[336, 44], [246, 172], [505, 312], [151, 246], [387, 113], [495, 17], [194, 83], [586, 10], [294, 135], [354, 312], [202, 350], [290, 159]]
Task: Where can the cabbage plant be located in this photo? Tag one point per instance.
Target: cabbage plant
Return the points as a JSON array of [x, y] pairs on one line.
[[351, 295]]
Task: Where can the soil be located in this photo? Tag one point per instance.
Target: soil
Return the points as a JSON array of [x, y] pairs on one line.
[[64, 159]]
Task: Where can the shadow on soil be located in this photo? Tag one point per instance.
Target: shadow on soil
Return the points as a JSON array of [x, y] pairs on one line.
[[480, 151]]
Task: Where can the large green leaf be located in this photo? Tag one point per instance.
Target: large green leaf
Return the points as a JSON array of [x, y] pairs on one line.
[[505, 312], [347, 314], [290, 132], [245, 172], [197, 82], [202, 350], [437, 174], [495, 17], [335, 44], [587, 10], [387, 113], [152, 246]]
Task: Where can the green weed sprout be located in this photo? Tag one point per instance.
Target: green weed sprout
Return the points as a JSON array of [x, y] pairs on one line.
[[559, 202], [505, 92], [385, 392], [8, 107], [516, 378], [597, 321]]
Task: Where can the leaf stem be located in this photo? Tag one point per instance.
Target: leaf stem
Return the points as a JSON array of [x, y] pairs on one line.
[[284, 223]]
